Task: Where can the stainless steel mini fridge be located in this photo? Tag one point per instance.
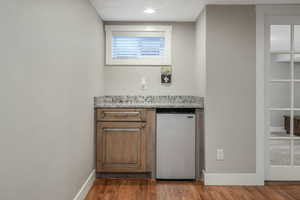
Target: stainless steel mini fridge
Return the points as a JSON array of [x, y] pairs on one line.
[[175, 145]]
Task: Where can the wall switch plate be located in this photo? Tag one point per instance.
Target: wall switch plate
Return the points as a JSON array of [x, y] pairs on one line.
[[143, 83], [220, 154]]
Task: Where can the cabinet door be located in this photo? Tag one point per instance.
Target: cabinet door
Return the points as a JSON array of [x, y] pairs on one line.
[[121, 147]]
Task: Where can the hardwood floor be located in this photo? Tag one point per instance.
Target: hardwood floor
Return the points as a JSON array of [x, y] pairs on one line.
[[145, 189]]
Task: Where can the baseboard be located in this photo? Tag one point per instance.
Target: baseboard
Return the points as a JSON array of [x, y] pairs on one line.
[[230, 178], [86, 187]]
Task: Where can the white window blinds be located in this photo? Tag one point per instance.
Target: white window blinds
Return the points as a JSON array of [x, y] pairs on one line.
[[124, 47]]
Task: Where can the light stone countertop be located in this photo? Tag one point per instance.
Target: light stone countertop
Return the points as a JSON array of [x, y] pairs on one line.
[[149, 102]]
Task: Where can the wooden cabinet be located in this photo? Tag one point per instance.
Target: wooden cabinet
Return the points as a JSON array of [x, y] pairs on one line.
[[124, 139], [121, 146]]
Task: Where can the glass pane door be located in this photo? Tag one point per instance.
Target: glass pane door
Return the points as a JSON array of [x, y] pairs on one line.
[[283, 101]]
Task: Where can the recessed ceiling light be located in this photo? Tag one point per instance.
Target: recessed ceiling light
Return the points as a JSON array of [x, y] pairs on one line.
[[149, 11]]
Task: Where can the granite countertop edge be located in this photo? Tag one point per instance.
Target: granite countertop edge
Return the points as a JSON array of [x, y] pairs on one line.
[[149, 102], [148, 106]]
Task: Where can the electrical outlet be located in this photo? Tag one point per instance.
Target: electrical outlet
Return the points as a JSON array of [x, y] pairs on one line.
[[220, 154]]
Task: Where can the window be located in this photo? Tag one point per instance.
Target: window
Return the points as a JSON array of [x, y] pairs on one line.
[[138, 45]]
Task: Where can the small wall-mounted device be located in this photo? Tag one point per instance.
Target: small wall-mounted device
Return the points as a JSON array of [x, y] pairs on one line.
[[143, 83]]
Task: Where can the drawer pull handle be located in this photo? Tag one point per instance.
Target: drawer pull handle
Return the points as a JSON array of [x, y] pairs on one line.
[[122, 129]]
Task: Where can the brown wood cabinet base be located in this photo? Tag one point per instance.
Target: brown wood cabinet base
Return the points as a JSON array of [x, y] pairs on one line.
[[124, 140]]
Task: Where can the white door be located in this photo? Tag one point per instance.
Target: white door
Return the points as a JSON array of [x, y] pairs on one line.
[[282, 98]]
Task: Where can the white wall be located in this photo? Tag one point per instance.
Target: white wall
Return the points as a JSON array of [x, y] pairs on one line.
[[50, 68], [125, 80], [230, 88]]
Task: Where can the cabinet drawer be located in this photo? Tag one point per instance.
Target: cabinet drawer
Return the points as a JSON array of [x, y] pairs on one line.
[[120, 115]]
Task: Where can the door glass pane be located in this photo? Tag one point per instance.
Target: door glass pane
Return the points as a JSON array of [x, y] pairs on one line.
[[280, 37], [280, 95], [297, 123], [280, 66], [297, 95], [297, 37], [297, 152], [278, 123], [297, 66], [280, 152]]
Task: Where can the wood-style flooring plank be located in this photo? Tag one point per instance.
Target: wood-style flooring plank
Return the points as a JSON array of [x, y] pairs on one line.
[[146, 189]]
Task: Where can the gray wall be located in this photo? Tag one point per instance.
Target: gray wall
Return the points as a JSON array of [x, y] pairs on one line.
[[51, 58], [200, 63], [230, 88], [200, 53], [125, 80]]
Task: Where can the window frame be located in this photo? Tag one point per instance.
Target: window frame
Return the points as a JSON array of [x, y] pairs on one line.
[[165, 30]]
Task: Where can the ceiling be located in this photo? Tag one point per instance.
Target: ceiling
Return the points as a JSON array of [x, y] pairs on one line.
[[166, 10]]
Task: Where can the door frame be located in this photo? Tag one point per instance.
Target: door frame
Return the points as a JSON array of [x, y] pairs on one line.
[[263, 14]]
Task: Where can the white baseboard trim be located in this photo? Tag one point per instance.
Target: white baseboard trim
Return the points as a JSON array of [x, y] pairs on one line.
[[86, 186], [230, 178]]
